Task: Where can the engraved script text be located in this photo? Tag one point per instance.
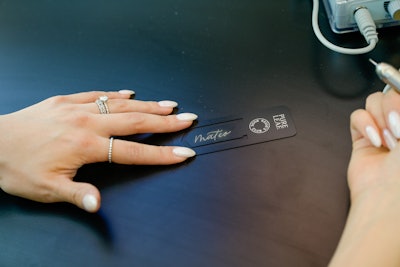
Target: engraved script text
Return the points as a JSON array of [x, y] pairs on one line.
[[211, 136]]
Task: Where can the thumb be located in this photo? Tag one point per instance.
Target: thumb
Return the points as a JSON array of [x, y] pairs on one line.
[[84, 195]]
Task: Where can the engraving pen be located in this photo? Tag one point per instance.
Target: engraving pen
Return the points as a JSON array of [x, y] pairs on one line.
[[388, 74]]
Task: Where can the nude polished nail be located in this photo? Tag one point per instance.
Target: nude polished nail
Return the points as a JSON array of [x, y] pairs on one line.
[[391, 142], [184, 152], [373, 136], [186, 117], [90, 203], [167, 104], [394, 123], [126, 92]]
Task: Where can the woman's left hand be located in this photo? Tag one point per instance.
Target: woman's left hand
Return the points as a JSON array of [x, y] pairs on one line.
[[43, 146]]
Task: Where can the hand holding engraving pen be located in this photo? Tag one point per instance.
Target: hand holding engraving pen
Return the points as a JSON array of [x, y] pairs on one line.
[[388, 74]]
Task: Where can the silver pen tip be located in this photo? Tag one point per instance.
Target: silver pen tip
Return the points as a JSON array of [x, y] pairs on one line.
[[373, 62]]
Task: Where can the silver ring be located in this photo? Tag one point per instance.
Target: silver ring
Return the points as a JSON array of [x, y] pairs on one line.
[[102, 104], [110, 147]]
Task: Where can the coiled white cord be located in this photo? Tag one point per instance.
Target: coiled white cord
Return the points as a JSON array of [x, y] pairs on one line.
[[365, 24]]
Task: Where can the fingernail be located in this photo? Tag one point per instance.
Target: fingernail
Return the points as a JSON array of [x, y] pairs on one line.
[[126, 92], [394, 123], [186, 117], [373, 136], [184, 152], [90, 203], [168, 104], [391, 142]]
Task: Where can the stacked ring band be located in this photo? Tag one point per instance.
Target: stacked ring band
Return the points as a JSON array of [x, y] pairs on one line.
[[110, 147], [102, 104]]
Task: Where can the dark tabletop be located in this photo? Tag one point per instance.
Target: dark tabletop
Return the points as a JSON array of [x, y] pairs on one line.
[[277, 203]]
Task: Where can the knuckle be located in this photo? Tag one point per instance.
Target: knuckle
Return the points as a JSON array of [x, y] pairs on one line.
[[68, 193], [78, 142], [170, 122], [97, 92], [75, 196], [83, 141], [57, 100], [152, 105], [120, 105], [137, 120], [45, 190], [77, 119], [356, 113], [372, 99], [81, 119], [134, 151]]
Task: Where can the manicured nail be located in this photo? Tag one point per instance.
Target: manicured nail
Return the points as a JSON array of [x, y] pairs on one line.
[[126, 92], [391, 142], [373, 136], [168, 104], [184, 152], [186, 117], [394, 123], [89, 203]]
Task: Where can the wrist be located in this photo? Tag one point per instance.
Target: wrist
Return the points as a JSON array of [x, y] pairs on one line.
[[371, 229], [6, 147]]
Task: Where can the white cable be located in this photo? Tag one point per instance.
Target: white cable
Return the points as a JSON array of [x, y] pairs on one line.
[[365, 24]]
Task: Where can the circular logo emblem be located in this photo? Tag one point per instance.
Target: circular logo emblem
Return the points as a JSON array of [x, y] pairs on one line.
[[259, 125]]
